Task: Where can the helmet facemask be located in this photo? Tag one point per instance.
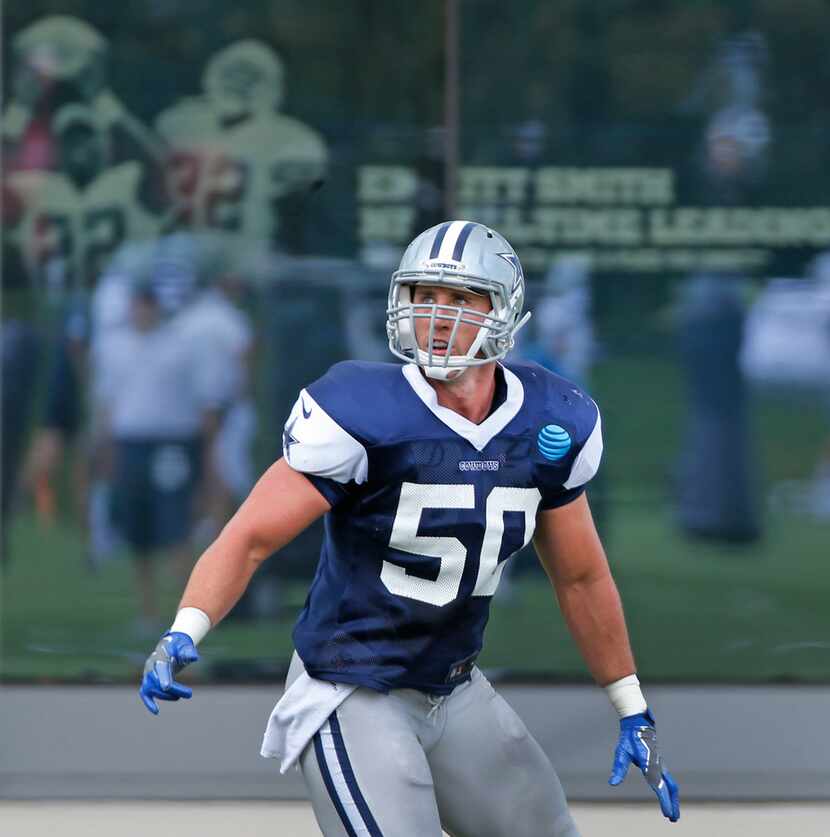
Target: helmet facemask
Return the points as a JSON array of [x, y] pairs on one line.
[[496, 330]]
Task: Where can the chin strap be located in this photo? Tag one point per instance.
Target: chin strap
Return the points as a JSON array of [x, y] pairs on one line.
[[444, 373]]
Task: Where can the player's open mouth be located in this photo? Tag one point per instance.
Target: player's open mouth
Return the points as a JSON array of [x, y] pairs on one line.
[[439, 347]]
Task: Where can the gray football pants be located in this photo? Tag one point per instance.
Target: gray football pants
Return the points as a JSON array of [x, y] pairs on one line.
[[406, 764]]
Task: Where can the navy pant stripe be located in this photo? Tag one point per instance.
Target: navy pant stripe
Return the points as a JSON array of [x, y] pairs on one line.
[[324, 771], [461, 241], [439, 238], [351, 781]]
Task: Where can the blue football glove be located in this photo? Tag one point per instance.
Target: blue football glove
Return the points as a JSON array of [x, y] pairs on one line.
[[173, 652], [638, 744]]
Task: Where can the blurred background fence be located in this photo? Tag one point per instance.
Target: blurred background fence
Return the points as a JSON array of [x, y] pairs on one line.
[[202, 204]]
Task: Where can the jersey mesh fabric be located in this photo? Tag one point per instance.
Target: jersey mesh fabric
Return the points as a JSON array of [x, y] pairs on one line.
[[411, 557]]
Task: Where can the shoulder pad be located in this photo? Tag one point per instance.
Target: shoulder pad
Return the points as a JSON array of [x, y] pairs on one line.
[[314, 443], [587, 460], [363, 398], [558, 402]]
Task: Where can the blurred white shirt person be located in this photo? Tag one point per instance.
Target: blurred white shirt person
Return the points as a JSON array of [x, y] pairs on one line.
[[156, 397], [225, 331]]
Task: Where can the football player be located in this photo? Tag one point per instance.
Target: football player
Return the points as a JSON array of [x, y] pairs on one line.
[[59, 60], [73, 220], [56, 60], [431, 475], [214, 317], [233, 156]]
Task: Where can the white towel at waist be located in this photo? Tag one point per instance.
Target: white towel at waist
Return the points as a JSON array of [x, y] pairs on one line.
[[300, 712]]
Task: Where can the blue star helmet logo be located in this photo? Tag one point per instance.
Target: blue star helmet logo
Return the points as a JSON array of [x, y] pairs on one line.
[[513, 259]]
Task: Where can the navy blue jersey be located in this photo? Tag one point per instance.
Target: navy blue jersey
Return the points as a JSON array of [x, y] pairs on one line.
[[426, 508]]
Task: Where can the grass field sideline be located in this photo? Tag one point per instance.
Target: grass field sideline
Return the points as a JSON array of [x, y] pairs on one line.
[[746, 615], [695, 611]]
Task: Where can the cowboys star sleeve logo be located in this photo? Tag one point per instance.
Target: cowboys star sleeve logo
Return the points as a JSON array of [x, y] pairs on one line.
[[288, 437]]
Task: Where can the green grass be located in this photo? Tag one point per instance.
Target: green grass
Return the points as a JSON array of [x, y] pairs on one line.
[[747, 614], [695, 611]]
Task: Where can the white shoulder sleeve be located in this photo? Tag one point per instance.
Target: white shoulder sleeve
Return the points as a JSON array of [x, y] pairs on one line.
[[314, 443], [587, 462]]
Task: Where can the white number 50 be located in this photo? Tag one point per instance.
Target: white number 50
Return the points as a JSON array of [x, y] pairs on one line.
[[450, 551]]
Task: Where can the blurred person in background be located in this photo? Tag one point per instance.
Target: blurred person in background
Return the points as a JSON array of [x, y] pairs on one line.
[[216, 319], [157, 397], [170, 264]]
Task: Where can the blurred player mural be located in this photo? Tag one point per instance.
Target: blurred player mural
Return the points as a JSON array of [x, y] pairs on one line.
[[89, 189], [232, 156], [82, 177], [56, 61], [73, 219], [236, 165]]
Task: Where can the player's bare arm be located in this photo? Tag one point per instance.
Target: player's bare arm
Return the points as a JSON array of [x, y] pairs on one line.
[[570, 551], [280, 506]]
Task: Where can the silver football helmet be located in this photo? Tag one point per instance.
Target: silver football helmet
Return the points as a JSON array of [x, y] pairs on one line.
[[58, 49], [244, 78], [457, 254]]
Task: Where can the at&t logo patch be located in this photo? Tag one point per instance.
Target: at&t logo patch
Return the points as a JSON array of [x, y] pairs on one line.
[[554, 442]]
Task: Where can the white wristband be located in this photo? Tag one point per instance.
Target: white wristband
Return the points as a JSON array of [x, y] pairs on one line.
[[626, 696], [193, 622]]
